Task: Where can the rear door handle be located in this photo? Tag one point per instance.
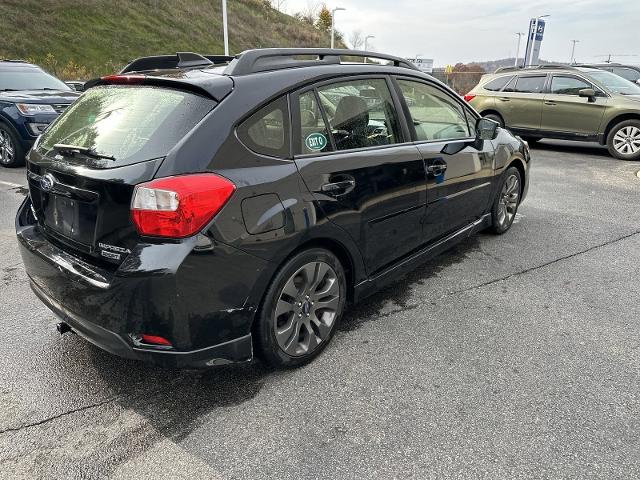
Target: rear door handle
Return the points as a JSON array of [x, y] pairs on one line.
[[339, 188], [503, 99], [549, 102]]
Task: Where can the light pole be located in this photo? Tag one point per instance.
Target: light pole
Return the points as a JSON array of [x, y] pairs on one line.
[[533, 40], [333, 22], [225, 27], [366, 41], [573, 51], [519, 34]]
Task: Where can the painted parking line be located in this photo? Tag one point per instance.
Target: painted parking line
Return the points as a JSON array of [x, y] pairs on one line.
[[11, 184]]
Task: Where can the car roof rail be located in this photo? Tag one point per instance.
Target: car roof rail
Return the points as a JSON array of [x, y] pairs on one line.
[[269, 59], [179, 60], [13, 60], [535, 67]]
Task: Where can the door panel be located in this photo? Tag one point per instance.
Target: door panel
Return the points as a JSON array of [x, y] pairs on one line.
[[565, 111], [382, 206], [459, 168], [362, 177], [520, 103], [461, 193]]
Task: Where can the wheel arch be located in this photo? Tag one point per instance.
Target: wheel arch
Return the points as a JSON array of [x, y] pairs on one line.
[[616, 120], [519, 163]]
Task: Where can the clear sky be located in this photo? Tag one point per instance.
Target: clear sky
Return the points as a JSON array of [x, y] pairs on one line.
[[475, 30]]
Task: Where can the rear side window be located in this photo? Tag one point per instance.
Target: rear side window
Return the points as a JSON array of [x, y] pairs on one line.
[[130, 124], [360, 113], [530, 84], [497, 84], [314, 133], [563, 85], [267, 131]]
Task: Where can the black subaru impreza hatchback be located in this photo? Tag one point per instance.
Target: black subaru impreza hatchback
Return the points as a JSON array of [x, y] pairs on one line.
[[192, 210]]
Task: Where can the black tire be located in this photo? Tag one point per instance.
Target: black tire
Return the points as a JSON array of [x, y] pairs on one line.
[[11, 151], [623, 140], [503, 211], [267, 342], [496, 118]]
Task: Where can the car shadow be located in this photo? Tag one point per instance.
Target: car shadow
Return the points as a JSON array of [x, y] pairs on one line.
[[581, 148]]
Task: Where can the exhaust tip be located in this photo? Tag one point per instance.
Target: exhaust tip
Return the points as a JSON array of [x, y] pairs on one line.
[[63, 328]]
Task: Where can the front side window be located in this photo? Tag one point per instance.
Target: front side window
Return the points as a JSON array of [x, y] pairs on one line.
[[530, 84], [267, 131], [360, 113], [435, 115], [563, 85]]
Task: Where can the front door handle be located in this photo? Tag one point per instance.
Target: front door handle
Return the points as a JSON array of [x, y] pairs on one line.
[[339, 188], [437, 169], [549, 102]]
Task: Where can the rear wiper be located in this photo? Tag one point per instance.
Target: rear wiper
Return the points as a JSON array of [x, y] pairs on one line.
[[73, 150]]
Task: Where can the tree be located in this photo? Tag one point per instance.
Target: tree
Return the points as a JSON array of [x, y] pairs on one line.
[[310, 13], [324, 19], [279, 5], [356, 39]]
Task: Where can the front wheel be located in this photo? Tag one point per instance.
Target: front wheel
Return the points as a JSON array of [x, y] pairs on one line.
[[301, 308], [623, 140], [11, 152], [506, 203]]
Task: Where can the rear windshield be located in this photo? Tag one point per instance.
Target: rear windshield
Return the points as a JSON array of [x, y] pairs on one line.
[[129, 123]]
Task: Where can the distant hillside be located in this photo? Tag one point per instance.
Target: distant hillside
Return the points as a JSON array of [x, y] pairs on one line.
[[85, 38], [492, 65]]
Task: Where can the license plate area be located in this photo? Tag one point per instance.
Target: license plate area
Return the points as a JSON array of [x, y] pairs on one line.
[[71, 218]]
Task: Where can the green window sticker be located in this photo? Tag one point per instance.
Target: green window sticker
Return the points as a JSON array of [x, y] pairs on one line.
[[316, 142]]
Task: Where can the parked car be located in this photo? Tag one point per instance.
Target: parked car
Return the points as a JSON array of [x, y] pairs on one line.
[[30, 99], [571, 103], [629, 72], [195, 214], [76, 85]]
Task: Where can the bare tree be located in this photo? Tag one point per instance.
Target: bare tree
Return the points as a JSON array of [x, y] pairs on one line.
[[356, 39], [279, 5], [309, 14]]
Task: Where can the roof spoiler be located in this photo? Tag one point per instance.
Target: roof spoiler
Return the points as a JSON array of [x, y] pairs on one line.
[[179, 60]]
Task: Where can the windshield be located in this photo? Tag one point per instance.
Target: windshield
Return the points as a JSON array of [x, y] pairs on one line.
[[29, 78], [130, 124], [615, 83]]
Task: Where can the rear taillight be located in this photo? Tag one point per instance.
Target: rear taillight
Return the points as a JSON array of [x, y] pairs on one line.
[[468, 97], [178, 207]]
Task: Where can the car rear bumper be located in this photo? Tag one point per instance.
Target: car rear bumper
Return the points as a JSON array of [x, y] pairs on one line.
[[203, 303]]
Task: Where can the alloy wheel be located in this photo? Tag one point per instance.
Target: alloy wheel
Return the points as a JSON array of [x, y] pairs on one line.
[[508, 202], [627, 140], [7, 149], [306, 309]]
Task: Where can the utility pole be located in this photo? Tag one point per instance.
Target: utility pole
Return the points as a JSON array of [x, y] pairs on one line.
[[573, 51], [333, 22], [366, 42], [225, 27], [519, 34]]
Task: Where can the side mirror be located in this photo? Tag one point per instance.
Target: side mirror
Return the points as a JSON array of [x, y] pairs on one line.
[[638, 81], [486, 129], [589, 93]]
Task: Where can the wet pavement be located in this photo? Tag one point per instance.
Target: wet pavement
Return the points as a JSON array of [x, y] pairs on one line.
[[507, 356]]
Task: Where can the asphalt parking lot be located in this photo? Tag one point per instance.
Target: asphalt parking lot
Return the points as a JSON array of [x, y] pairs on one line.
[[512, 356]]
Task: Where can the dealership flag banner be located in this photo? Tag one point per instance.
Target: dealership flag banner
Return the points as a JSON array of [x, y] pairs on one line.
[[536, 32]]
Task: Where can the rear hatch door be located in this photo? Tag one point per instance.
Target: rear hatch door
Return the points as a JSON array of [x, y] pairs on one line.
[[84, 168]]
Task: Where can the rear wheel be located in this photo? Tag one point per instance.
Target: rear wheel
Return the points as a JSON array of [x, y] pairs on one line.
[[506, 203], [623, 140], [301, 309], [11, 152], [496, 118]]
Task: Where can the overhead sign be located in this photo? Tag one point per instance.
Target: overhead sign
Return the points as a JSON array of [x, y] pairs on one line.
[[534, 40], [424, 64]]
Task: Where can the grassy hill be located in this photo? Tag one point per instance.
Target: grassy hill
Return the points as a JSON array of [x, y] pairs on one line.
[[86, 38]]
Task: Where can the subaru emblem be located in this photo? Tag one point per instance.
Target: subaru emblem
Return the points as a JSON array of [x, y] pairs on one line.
[[47, 182]]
